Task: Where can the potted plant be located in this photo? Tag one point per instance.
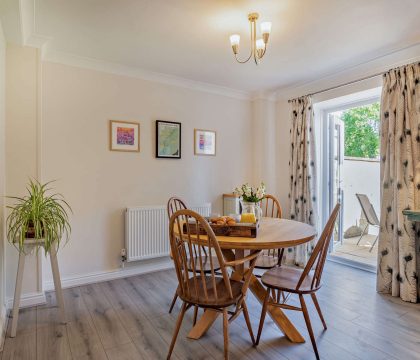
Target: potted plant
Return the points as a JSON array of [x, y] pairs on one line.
[[38, 216]]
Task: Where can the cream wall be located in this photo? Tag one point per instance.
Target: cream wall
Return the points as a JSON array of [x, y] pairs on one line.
[[2, 176], [99, 184], [21, 148], [282, 152], [264, 140]]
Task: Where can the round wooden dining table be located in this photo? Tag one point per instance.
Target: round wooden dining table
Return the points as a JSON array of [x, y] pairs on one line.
[[273, 233]]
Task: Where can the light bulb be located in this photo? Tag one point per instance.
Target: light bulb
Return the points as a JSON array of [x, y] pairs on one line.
[[266, 27], [260, 44], [234, 39]]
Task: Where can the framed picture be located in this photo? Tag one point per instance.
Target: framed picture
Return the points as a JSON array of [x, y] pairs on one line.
[[124, 136], [168, 139], [204, 142]]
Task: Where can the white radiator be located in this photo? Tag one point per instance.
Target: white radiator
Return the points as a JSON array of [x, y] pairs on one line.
[[146, 231]]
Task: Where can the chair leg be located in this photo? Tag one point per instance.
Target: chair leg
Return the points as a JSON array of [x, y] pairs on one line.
[[318, 308], [226, 333], [273, 295], [176, 330], [280, 254], [248, 321], [280, 295], [373, 245], [195, 314], [363, 234], [263, 313], [308, 325], [173, 302]]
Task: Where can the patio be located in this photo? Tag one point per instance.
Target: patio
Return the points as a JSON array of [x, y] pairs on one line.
[[359, 176], [360, 253]]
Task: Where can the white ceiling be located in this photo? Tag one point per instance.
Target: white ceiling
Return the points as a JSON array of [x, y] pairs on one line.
[[190, 38]]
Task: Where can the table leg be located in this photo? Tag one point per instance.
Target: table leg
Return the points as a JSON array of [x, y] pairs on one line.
[[278, 316], [210, 316], [239, 254], [202, 325]]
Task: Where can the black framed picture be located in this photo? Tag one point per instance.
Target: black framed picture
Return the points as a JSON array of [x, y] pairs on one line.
[[168, 139]]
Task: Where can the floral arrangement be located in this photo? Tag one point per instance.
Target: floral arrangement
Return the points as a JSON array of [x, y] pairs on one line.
[[250, 194]]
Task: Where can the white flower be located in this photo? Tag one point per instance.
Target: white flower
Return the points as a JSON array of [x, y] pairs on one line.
[[247, 190]]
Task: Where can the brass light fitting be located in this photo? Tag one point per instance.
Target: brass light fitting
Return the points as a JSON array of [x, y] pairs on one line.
[[258, 46]]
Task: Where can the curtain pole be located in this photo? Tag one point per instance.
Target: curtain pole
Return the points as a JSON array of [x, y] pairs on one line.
[[345, 84]]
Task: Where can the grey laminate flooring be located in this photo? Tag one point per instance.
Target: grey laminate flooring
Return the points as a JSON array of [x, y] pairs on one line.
[[128, 319]]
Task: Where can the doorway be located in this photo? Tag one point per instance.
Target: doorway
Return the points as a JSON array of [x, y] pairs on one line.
[[351, 171]]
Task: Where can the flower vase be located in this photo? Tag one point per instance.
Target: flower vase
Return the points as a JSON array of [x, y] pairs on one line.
[[251, 208]]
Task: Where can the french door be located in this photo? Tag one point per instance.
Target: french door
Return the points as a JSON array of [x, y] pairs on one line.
[[335, 180]]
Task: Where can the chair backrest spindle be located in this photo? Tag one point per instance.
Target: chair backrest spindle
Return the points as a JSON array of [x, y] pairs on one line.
[[182, 243], [175, 204], [319, 253], [270, 207]]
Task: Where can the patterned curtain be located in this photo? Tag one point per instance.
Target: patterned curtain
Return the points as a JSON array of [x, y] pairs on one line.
[[399, 255], [302, 195]]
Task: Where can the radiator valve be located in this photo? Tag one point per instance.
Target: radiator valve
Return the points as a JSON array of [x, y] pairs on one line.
[[123, 257]]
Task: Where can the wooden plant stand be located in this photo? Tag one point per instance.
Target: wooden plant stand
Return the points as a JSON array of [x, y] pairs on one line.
[[18, 289]]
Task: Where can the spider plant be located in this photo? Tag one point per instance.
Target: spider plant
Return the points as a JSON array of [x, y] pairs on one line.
[[39, 216]]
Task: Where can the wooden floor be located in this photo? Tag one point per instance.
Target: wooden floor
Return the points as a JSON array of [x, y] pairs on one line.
[[128, 319]]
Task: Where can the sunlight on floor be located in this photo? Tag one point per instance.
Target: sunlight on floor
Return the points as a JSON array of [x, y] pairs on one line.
[[351, 251]]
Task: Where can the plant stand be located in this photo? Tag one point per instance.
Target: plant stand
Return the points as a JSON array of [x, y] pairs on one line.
[[18, 289]]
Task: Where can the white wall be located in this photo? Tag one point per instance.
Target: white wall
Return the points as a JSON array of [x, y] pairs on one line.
[[99, 184], [360, 177]]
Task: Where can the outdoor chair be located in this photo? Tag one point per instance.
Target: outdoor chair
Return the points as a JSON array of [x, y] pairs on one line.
[[370, 215]]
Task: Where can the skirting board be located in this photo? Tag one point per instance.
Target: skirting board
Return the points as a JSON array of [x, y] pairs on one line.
[[27, 300], [140, 267]]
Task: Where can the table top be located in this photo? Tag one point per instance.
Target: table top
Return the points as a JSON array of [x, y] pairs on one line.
[[273, 233]]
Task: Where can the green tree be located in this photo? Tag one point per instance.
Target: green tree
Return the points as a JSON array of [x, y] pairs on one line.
[[361, 131]]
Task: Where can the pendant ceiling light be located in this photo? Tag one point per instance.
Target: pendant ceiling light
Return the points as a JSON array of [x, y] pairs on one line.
[[258, 46]]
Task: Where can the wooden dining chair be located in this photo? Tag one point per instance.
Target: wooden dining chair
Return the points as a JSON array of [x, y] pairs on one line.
[[205, 289], [300, 281], [175, 204], [269, 258]]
